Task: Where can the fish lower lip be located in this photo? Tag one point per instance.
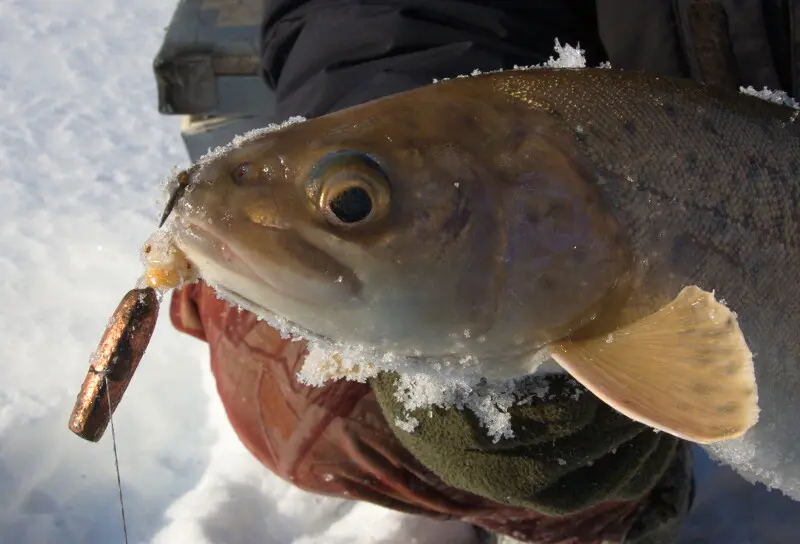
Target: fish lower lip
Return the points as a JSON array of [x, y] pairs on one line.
[[225, 251], [207, 241], [317, 283]]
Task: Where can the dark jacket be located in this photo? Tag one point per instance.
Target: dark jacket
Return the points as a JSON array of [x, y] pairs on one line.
[[323, 55]]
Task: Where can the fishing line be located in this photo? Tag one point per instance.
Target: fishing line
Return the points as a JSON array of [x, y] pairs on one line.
[[116, 465]]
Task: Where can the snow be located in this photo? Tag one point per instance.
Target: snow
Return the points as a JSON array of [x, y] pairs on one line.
[[83, 154], [248, 136], [567, 56], [776, 97]]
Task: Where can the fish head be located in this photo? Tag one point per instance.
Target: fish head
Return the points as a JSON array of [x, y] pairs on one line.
[[421, 224]]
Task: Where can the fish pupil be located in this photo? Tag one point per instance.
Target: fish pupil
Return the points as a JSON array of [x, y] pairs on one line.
[[351, 205]]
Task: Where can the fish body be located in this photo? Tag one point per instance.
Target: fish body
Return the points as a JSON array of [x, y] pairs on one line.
[[499, 215]]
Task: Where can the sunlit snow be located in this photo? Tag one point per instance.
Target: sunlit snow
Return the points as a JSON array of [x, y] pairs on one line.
[[83, 153]]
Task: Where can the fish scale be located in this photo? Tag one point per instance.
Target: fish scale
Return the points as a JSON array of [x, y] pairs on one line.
[[695, 144]]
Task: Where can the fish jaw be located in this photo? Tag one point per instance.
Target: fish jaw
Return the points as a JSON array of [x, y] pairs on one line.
[[330, 303], [297, 277]]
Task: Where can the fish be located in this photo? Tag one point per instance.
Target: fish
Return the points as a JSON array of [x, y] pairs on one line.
[[598, 217]]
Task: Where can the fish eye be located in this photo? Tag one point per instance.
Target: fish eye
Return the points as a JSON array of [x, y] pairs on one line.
[[350, 204], [349, 189]]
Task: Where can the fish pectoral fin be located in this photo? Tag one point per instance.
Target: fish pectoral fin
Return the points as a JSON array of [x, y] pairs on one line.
[[685, 369]]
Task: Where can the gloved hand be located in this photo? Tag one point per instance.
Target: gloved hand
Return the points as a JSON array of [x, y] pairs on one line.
[[569, 450]]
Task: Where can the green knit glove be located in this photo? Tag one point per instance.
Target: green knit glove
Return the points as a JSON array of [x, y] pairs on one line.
[[569, 450]]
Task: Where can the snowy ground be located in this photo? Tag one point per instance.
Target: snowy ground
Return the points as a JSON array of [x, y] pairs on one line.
[[82, 151]]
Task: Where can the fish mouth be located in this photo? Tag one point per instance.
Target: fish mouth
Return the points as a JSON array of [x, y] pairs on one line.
[[201, 245], [283, 266]]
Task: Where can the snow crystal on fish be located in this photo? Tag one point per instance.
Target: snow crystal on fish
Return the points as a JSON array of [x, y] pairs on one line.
[[566, 56], [408, 425], [249, 136], [170, 184], [755, 459], [776, 97], [424, 383]]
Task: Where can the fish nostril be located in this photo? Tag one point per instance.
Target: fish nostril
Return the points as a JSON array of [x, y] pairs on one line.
[[242, 173]]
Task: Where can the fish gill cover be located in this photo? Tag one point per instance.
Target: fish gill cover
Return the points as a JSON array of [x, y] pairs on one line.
[[425, 384]]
